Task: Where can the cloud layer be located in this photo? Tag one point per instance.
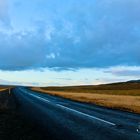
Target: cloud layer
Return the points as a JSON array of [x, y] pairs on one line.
[[133, 72], [69, 35]]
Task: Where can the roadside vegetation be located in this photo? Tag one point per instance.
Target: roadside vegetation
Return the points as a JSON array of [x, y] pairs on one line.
[[123, 96], [2, 88]]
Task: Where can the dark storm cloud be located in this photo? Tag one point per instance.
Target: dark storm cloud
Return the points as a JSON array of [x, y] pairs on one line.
[[82, 34]]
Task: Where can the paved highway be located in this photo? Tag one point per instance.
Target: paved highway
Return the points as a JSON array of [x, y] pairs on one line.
[[69, 120]]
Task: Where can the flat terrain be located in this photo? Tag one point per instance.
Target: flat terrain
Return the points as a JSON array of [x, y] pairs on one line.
[[3, 88], [124, 96], [69, 120]]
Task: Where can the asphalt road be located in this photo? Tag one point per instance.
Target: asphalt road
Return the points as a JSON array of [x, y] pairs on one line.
[[69, 120]]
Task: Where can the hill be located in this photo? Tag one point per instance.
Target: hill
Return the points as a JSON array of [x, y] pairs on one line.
[[129, 85], [123, 96]]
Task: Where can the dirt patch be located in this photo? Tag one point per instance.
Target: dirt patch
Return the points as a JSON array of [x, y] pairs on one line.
[[13, 126]]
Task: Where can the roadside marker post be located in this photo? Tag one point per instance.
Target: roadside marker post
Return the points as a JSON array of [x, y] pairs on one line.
[[9, 91]]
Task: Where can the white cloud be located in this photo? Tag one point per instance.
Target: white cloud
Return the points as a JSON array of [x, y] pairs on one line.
[[130, 71], [51, 56]]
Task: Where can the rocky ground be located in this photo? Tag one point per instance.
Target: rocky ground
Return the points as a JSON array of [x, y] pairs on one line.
[[13, 126]]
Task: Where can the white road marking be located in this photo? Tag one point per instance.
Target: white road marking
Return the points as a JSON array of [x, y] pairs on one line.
[[45, 100], [73, 110], [40, 98], [92, 117]]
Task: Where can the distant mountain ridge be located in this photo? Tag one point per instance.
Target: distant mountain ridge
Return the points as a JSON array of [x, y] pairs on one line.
[[133, 81], [128, 85]]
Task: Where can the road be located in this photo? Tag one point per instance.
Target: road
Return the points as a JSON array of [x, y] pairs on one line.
[[69, 120]]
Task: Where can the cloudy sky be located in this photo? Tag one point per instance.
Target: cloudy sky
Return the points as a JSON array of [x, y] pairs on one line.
[[59, 42]]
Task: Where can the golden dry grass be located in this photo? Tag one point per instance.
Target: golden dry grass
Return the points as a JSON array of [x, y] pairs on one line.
[[125, 101], [2, 89]]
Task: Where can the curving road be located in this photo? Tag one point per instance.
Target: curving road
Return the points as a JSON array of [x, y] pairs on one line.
[[69, 120]]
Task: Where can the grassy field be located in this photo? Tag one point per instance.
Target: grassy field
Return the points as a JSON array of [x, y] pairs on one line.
[[124, 96], [2, 88]]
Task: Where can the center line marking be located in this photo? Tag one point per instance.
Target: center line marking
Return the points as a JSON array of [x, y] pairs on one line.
[[92, 117], [39, 98], [73, 110]]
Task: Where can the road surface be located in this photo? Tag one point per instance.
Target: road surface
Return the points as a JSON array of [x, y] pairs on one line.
[[69, 120]]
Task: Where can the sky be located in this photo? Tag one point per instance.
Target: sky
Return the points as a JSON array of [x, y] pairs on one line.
[[59, 42]]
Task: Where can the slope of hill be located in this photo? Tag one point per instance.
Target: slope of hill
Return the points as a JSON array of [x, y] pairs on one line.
[[124, 96], [134, 81], [133, 85]]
